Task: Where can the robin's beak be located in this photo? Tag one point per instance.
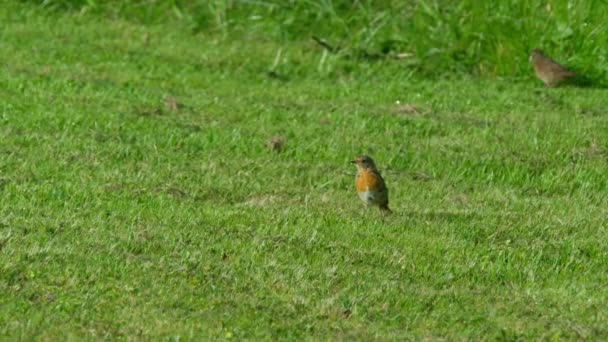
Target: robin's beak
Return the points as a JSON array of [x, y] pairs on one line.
[[353, 161]]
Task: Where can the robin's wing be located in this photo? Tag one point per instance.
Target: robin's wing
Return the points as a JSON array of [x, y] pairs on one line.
[[383, 199], [383, 191]]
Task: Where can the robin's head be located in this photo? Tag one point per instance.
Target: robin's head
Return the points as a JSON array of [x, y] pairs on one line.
[[536, 55], [364, 162]]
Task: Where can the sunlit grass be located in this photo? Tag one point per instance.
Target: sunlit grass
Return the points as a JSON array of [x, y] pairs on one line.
[[139, 198]]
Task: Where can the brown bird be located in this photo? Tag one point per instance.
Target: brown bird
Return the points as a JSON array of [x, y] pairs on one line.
[[548, 70], [370, 184]]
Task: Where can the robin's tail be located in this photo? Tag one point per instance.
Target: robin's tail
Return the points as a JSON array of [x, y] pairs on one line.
[[385, 209]]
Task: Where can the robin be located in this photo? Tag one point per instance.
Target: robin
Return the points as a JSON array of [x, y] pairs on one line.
[[369, 184], [548, 70]]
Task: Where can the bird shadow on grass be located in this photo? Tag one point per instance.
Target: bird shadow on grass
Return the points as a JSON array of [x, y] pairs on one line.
[[582, 81], [443, 215], [582, 78]]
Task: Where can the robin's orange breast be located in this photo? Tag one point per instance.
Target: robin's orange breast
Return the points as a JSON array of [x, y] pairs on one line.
[[368, 181]]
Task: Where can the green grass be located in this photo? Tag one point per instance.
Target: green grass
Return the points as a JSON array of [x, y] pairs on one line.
[[122, 218], [486, 38]]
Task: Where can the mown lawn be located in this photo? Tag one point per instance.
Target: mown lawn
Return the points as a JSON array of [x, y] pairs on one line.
[[139, 198]]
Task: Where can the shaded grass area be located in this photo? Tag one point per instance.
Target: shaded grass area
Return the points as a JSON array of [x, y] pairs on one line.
[[487, 38], [139, 198]]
